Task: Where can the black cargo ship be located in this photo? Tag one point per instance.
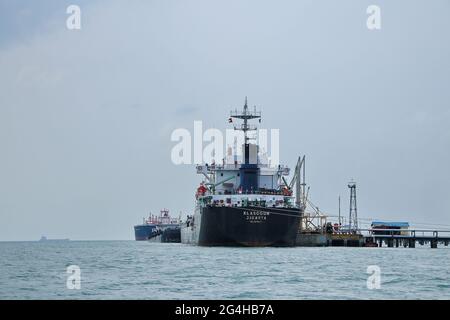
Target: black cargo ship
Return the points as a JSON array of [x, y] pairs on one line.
[[246, 202]]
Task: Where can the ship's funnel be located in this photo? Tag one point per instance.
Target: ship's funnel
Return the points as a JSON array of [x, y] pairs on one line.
[[250, 153], [249, 171]]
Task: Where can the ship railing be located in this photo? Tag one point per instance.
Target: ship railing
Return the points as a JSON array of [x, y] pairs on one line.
[[244, 202], [210, 168], [234, 192], [237, 113]]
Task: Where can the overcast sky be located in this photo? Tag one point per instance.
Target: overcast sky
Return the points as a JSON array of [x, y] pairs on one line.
[[86, 115]]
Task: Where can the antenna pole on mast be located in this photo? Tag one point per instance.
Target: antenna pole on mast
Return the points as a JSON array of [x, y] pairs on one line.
[[246, 115], [245, 120]]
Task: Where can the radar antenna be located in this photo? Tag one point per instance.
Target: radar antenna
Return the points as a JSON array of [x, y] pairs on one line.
[[245, 115]]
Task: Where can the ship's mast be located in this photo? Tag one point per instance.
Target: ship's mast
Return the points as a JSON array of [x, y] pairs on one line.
[[246, 115]]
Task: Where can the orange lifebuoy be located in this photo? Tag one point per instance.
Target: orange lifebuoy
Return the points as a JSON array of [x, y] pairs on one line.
[[201, 190], [286, 191]]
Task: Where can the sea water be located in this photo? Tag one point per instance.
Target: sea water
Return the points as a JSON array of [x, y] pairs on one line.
[[143, 270]]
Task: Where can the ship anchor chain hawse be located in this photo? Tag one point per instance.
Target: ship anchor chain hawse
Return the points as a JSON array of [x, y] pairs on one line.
[[246, 202]]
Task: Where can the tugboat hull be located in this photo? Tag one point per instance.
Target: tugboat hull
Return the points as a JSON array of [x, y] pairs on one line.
[[171, 235], [167, 235]]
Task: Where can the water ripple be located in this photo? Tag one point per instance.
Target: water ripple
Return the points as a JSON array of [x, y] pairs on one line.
[[141, 270]]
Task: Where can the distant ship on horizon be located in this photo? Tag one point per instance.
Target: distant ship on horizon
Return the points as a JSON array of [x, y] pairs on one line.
[[44, 239]]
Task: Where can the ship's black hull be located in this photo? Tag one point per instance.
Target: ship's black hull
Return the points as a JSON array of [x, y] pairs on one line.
[[171, 235], [248, 226], [167, 235]]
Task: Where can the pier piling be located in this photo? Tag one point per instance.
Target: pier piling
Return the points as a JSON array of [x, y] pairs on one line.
[[434, 244], [390, 243]]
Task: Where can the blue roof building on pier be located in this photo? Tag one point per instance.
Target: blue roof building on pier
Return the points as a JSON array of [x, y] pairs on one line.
[[389, 225]]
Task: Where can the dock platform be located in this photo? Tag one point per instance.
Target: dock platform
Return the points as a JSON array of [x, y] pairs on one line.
[[375, 238], [406, 238]]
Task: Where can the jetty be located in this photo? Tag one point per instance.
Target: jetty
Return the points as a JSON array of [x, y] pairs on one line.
[[374, 238]]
